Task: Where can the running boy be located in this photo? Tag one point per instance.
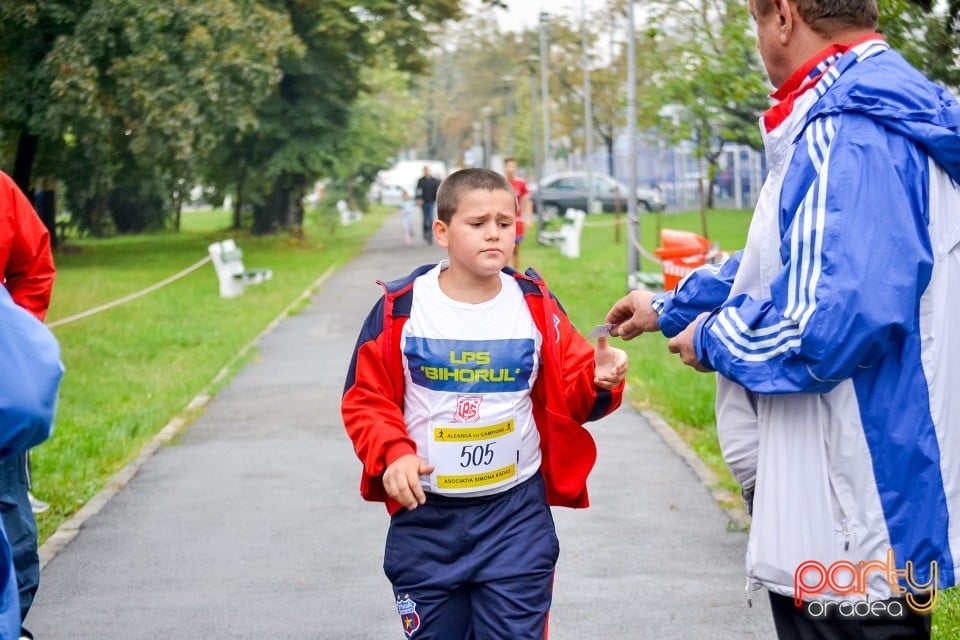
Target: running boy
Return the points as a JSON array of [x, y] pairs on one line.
[[465, 400]]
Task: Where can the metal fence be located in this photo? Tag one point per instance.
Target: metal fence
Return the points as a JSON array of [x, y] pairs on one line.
[[679, 173]]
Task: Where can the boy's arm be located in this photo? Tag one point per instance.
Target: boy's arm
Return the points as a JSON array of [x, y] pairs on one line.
[[30, 270], [371, 411], [585, 400]]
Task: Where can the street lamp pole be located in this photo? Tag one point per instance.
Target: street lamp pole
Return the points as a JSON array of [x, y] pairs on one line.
[[633, 224], [545, 85], [487, 143], [587, 107], [476, 145], [509, 82], [531, 62]]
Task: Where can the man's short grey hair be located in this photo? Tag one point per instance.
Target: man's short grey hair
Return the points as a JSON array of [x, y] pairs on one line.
[[829, 17]]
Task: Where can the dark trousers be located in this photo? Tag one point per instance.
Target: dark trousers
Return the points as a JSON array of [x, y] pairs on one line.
[[429, 215], [21, 527], [465, 568], [795, 623]]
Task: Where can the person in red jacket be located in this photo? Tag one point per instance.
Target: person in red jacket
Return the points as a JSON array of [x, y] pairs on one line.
[[26, 263], [465, 400]]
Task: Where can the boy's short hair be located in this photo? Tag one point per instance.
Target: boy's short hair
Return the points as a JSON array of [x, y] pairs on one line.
[[459, 182], [828, 17]]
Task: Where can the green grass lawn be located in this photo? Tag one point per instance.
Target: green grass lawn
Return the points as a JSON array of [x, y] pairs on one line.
[[130, 369]]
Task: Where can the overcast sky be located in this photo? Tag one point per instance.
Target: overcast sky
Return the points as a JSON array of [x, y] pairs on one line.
[[524, 13]]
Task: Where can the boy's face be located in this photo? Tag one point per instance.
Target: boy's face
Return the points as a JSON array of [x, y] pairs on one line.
[[480, 236]]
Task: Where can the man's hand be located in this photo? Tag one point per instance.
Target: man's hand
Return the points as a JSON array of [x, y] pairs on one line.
[[633, 315], [682, 344], [402, 480], [610, 365]]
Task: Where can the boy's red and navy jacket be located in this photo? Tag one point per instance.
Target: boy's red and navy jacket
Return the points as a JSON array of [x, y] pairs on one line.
[[564, 396]]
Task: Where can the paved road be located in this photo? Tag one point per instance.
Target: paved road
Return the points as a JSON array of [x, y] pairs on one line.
[[251, 525]]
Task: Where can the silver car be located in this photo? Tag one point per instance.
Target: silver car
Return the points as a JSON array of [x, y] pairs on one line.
[[565, 190]]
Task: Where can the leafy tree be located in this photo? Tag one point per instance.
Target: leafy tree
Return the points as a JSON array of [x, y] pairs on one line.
[[926, 34], [142, 91], [28, 30], [706, 68], [304, 124]]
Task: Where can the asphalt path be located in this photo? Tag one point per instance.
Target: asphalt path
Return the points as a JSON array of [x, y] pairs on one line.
[[250, 525]]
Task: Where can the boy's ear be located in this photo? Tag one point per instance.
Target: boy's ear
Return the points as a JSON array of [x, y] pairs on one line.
[[440, 233]]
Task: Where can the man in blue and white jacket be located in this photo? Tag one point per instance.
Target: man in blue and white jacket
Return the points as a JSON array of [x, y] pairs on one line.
[[834, 332]]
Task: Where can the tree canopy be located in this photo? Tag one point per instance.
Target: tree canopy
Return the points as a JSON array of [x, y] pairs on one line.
[[127, 104]]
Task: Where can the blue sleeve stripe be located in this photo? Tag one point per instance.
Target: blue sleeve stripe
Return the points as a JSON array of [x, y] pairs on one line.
[[657, 303], [806, 242], [806, 265], [754, 344], [748, 335], [748, 356]]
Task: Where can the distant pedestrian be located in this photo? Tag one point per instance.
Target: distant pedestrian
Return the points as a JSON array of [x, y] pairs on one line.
[[406, 217], [524, 204], [427, 187], [465, 400]]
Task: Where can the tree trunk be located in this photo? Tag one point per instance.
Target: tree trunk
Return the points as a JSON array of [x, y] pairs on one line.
[[23, 163], [27, 146], [238, 205], [45, 203], [238, 208], [267, 217]]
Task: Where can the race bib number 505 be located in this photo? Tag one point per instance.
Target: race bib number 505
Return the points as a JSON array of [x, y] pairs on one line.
[[473, 458]]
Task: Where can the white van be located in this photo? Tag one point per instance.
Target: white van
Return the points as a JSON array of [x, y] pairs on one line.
[[403, 176]]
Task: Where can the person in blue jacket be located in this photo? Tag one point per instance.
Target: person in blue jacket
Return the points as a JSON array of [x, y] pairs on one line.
[[31, 370], [834, 332]]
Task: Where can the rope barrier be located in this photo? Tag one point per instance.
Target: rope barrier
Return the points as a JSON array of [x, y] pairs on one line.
[[639, 247], [132, 296], [643, 252]]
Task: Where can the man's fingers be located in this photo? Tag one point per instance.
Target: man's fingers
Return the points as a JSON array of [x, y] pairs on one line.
[[628, 330]]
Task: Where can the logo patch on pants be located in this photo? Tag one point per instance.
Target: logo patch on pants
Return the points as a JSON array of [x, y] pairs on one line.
[[409, 617]]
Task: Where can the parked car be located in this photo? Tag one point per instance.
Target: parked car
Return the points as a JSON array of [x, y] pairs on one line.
[[564, 190]]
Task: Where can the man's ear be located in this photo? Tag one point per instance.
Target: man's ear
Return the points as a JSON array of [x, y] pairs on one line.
[[785, 16]]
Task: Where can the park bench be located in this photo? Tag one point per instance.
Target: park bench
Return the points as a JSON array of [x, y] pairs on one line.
[[347, 215], [568, 237], [233, 276]]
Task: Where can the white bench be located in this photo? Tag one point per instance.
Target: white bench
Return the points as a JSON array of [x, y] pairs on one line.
[[568, 237], [228, 261], [347, 215]]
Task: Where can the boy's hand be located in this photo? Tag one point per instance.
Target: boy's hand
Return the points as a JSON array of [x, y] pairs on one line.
[[610, 365], [402, 480], [633, 314]]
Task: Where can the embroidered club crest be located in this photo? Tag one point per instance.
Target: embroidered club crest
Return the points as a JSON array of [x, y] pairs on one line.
[[468, 408], [409, 617]]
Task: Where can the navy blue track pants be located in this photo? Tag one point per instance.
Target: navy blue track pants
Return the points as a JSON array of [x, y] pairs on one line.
[[464, 568]]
